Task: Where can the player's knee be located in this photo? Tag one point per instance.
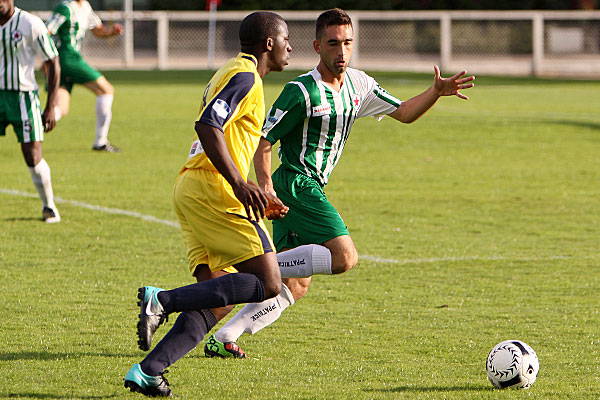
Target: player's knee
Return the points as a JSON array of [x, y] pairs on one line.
[[221, 312], [344, 262], [106, 88], [272, 287], [299, 291]]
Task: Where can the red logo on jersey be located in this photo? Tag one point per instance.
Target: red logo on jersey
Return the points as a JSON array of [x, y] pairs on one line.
[[16, 36], [356, 100]]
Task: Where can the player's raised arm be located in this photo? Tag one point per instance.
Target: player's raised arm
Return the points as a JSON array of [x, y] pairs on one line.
[[410, 110], [106, 31]]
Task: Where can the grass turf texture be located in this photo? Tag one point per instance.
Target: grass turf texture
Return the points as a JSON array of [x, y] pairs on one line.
[[478, 223]]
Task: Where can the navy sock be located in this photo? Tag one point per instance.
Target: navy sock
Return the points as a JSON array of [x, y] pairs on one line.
[[219, 292], [187, 332]]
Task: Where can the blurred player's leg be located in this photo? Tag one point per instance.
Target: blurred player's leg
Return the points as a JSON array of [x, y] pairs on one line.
[[105, 95], [63, 101], [103, 118]]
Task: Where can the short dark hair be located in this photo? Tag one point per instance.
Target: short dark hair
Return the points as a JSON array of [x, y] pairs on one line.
[[333, 17], [257, 27]]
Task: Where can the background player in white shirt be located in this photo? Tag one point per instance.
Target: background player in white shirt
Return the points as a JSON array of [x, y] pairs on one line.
[[312, 119], [23, 37]]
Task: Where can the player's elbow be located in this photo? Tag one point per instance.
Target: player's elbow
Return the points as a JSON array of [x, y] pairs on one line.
[[403, 114]]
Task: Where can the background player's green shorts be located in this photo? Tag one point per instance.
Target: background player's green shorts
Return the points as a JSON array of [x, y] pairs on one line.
[[311, 218], [74, 69], [24, 112]]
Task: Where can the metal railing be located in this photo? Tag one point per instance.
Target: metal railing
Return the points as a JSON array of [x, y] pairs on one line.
[[486, 42]]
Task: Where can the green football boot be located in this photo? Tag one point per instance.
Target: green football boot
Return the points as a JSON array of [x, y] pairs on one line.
[[214, 348]]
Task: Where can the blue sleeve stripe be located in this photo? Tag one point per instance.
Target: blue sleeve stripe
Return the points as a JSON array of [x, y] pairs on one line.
[[221, 107]]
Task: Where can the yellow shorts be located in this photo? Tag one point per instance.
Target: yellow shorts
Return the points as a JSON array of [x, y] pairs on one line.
[[215, 228]]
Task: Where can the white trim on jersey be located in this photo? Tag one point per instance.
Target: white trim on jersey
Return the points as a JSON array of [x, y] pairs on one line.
[[305, 126], [36, 111], [24, 118], [333, 154], [55, 21], [324, 134]]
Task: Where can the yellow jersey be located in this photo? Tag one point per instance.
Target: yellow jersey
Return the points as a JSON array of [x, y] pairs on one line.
[[233, 102]]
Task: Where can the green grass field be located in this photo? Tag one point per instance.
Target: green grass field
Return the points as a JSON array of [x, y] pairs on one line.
[[478, 223]]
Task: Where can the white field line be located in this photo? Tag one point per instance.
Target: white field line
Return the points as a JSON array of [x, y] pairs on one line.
[[366, 257], [107, 210]]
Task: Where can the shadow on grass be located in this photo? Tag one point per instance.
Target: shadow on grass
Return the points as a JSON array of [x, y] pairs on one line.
[[62, 396], [15, 219], [579, 124], [403, 389], [49, 356]]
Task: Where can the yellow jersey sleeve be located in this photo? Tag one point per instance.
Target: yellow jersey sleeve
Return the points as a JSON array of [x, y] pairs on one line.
[[233, 102]]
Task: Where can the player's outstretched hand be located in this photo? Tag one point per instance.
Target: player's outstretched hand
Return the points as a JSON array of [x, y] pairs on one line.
[[451, 86], [276, 209], [117, 29]]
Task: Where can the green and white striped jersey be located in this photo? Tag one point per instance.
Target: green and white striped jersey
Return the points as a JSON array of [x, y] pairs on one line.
[[23, 37], [69, 23], [313, 121]]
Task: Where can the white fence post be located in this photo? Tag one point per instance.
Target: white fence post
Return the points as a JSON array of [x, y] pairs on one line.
[[538, 44], [128, 47], [162, 41], [445, 41], [355, 60], [212, 35]]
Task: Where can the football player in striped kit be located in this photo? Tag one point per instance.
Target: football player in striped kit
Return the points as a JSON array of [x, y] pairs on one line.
[[312, 119], [23, 37], [68, 24]]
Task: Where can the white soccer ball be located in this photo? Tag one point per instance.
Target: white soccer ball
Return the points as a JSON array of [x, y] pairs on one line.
[[512, 364]]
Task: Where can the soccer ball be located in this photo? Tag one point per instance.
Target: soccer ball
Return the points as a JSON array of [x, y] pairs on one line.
[[512, 364]]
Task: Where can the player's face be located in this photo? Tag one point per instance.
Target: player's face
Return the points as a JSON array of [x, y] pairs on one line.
[[280, 53], [335, 48], [6, 8]]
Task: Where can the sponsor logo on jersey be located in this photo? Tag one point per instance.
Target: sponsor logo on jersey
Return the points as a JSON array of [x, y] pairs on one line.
[[17, 36], [196, 149], [221, 108], [292, 263], [323, 109], [263, 312], [273, 119], [356, 100]]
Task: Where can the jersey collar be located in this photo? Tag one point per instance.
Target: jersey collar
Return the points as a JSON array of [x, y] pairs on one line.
[[249, 57], [319, 79]]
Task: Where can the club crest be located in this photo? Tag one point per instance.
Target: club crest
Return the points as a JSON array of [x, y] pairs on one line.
[[17, 36]]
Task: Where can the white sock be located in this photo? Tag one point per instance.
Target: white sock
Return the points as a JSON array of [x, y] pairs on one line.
[[305, 261], [40, 175], [103, 118], [255, 316], [57, 113]]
